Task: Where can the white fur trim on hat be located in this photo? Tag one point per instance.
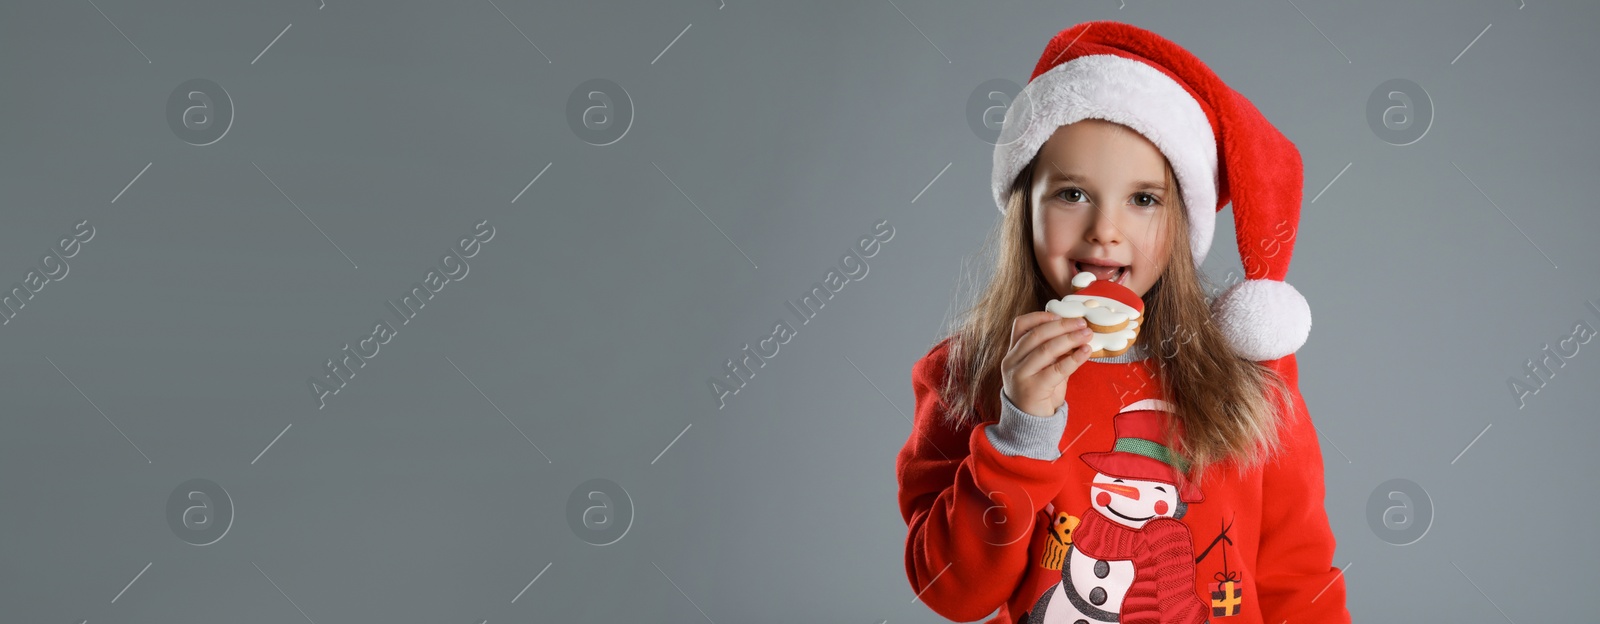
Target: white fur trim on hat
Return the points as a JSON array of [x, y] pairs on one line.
[[1124, 91], [1263, 319]]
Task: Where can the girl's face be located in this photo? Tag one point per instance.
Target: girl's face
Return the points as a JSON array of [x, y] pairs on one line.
[[1099, 198]]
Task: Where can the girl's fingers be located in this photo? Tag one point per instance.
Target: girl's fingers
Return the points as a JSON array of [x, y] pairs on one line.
[[1051, 350], [1027, 322], [1026, 354], [1046, 332]]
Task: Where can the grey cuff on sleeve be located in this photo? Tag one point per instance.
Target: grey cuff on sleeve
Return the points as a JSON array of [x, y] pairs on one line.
[[1020, 433]]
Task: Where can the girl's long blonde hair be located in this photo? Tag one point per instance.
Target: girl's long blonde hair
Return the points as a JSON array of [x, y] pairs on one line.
[[1223, 403]]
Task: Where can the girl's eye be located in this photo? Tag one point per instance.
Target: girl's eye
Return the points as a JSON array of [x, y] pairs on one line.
[[1069, 192], [1074, 195]]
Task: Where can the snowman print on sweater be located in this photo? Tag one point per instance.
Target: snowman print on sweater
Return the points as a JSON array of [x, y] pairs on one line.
[[1127, 558]]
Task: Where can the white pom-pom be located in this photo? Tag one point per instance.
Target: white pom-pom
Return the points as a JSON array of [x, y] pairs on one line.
[[1263, 319]]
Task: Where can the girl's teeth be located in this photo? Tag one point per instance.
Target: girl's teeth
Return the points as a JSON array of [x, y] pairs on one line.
[[1116, 275], [1102, 272]]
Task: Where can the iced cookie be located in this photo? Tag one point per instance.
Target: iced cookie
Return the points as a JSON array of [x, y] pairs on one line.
[[1112, 310]]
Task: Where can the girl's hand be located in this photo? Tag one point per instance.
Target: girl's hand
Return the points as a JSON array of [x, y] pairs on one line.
[[1045, 350]]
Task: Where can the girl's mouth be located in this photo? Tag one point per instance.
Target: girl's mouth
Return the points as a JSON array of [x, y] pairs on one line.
[[1117, 274]]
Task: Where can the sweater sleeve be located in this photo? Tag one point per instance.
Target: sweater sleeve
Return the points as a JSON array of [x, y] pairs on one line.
[[970, 509], [1298, 581]]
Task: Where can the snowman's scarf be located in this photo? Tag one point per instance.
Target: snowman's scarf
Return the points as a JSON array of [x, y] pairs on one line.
[[1163, 558]]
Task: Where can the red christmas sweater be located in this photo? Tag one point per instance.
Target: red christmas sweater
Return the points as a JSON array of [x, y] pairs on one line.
[[1001, 520]]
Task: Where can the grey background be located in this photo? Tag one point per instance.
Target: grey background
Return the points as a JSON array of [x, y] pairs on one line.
[[595, 317]]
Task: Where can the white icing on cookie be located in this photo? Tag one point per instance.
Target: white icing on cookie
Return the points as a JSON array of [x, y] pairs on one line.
[[1099, 310], [1114, 341]]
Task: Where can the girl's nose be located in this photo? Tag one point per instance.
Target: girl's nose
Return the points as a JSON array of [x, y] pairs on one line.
[[1103, 229]]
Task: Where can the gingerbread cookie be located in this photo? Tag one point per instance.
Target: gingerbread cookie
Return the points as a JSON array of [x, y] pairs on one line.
[[1112, 310]]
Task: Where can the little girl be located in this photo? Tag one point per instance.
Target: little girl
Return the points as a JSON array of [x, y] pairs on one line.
[[1180, 480]]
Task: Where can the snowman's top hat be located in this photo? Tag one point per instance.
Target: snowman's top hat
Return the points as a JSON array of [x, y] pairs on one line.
[[1139, 452]]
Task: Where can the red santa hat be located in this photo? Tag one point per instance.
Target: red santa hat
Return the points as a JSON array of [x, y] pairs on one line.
[[1220, 147]]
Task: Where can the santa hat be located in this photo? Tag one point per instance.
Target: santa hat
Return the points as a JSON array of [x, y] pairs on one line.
[[1220, 147], [1139, 452]]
